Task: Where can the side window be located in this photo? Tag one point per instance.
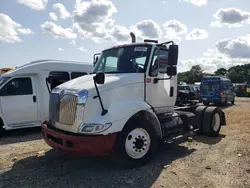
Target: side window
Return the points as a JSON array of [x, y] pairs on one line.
[[57, 78], [18, 86], [77, 74], [111, 64], [159, 63]]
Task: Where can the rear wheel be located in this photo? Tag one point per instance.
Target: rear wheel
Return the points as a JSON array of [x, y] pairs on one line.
[[211, 122], [136, 144]]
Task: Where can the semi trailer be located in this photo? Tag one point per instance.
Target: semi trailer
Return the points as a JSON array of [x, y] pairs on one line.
[[126, 106]]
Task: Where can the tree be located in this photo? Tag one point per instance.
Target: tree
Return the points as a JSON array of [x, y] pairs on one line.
[[237, 74], [193, 75], [221, 71]]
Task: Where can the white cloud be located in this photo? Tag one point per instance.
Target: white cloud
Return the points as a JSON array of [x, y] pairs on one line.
[[94, 19], [73, 42], [197, 2], [10, 30], [25, 31], [82, 49], [34, 4], [174, 29], [231, 17], [60, 49], [146, 29], [120, 34], [53, 16], [228, 53], [194, 2], [197, 34], [64, 14], [57, 31], [213, 60], [235, 48]]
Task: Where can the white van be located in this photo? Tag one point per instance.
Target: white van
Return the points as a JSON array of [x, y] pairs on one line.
[[24, 91]]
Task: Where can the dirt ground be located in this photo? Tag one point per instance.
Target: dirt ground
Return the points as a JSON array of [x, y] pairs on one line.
[[223, 162]]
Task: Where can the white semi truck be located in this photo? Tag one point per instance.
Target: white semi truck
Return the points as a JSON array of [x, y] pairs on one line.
[[126, 106]]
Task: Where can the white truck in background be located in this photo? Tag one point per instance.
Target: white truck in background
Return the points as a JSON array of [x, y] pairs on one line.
[[24, 91], [126, 106]]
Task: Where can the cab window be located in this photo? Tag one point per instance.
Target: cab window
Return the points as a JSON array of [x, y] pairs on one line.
[[159, 63], [18, 86], [57, 78]]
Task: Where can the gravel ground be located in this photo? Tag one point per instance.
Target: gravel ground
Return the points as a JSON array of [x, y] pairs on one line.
[[26, 161]]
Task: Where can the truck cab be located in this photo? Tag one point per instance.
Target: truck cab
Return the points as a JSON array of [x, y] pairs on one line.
[[125, 107]]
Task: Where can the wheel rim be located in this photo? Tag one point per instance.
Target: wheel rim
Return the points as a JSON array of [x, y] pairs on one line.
[[216, 122], [137, 143]]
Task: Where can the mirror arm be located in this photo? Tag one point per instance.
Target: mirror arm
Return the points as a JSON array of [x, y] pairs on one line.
[[104, 111]]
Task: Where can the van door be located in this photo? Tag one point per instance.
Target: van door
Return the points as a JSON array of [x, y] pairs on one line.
[[19, 102], [160, 95]]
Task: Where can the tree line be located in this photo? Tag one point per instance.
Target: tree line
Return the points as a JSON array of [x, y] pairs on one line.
[[237, 74]]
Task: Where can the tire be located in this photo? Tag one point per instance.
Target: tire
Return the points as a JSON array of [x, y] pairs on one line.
[[131, 150], [211, 122], [206, 103]]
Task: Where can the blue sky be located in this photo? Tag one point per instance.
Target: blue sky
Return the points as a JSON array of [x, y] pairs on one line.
[[212, 33]]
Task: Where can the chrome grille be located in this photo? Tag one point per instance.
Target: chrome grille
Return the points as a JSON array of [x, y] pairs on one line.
[[67, 109], [62, 110]]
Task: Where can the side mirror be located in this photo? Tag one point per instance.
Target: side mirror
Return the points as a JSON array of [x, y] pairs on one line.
[[172, 71], [99, 78], [173, 55], [96, 57]]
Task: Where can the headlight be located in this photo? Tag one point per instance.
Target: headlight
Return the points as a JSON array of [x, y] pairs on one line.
[[88, 128], [82, 96]]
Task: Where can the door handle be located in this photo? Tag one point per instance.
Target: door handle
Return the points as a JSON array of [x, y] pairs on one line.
[[34, 98]]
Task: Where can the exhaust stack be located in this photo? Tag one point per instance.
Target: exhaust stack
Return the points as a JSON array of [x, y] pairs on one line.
[[133, 40]]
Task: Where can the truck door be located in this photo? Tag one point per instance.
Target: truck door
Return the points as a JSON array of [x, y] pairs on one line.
[[19, 101], [161, 95]]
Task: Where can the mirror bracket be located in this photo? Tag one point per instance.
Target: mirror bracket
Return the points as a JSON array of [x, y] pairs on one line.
[[99, 78]]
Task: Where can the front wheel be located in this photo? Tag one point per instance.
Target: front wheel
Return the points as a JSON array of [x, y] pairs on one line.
[[136, 144]]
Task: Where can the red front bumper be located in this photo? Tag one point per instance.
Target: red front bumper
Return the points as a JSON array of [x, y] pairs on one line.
[[79, 145]]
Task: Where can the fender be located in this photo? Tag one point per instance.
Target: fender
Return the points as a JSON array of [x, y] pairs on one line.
[[119, 113]]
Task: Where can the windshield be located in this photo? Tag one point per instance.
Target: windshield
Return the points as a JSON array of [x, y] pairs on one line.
[[125, 59], [3, 80], [210, 86]]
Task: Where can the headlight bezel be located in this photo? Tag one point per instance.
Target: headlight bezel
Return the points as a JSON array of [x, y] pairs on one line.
[[94, 126]]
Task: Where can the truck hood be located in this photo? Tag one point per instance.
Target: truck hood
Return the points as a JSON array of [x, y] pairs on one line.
[[111, 81]]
